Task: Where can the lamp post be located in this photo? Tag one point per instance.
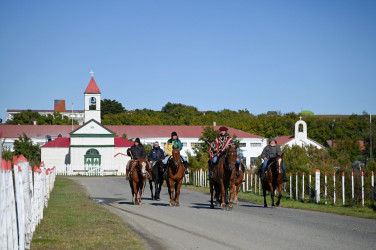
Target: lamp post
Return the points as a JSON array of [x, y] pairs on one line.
[[333, 133]]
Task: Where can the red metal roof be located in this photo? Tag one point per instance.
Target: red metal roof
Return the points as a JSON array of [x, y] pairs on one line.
[[92, 87], [284, 139], [60, 142], [120, 142], [132, 131], [64, 142]]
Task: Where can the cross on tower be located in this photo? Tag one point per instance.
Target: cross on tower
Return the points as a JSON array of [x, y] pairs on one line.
[[92, 73], [300, 117]]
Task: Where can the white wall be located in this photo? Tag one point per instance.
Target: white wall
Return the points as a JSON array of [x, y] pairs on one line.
[[54, 156]]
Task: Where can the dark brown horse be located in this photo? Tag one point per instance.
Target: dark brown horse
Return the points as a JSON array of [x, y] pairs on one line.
[[274, 179], [238, 182], [223, 177], [175, 175], [140, 170], [157, 172]]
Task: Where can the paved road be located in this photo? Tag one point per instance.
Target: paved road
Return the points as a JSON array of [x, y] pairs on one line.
[[194, 225]]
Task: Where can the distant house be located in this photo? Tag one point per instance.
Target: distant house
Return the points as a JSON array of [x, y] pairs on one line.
[[328, 144], [299, 138]]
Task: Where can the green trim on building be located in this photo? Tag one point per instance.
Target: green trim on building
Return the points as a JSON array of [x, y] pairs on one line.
[[92, 146], [93, 135]]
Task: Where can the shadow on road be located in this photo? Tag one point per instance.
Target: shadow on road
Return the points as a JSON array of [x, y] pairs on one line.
[[259, 206], [160, 204], [201, 205]]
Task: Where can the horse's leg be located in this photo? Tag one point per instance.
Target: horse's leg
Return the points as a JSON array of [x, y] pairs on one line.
[[140, 193], [264, 193], [135, 188], [177, 191], [279, 194], [232, 192], [151, 189], [223, 192], [237, 187], [272, 196], [171, 187], [211, 183]]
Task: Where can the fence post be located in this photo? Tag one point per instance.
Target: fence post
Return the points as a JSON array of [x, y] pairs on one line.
[[20, 204], [309, 186], [373, 190], [247, 173], [317, 186], [343, 188], [290, 186], [326, 187], [362, 189], [334, 188], [296, 187], [255, 183], [303, 187], [352, 189], [251, 181]]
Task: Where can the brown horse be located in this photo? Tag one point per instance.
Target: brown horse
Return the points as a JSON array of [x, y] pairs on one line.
[[139, 171], [274, 179], [175, 175], [223, 177], [238, 182]]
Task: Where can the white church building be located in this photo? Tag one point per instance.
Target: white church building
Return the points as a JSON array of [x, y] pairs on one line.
[[299, 138], [82, 148]]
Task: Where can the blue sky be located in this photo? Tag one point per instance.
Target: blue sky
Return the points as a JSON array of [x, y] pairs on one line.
[[255, 55]]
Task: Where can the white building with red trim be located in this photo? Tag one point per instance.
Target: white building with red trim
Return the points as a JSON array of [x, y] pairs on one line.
[[96, 144]]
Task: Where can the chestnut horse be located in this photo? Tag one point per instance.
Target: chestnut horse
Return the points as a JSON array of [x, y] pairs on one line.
[[274, 179], [239, 181], [175, 175], [157, 172], [139, 171], [223, 177]]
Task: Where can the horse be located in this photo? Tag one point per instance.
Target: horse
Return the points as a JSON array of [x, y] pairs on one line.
[[157, 172], [137, 176], [223, 177], [175, 175], [274, 179], [238, 182]]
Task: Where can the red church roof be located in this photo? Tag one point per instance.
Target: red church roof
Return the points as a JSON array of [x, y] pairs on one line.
[[92, 87], [64, 142], [284, 139]]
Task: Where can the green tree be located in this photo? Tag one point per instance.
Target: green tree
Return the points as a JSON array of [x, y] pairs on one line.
[[111, 107], [24, 146]]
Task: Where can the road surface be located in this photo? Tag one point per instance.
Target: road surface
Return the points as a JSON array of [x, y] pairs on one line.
[[194, 225]]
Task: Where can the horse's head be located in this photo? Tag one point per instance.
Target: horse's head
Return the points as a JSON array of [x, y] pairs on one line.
[[176, 155], [279, 163], [231, 155], [142, 165]]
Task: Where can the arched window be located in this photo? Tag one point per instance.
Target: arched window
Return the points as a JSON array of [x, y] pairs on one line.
[[93, 103], [92, 157], [300, 128]]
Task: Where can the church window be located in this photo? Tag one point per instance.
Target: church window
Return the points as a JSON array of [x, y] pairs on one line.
[[92, 157], [300, 128], [93, 103]]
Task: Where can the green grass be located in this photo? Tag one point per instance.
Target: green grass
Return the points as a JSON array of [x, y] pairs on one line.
[[361, 212], [73, 221]]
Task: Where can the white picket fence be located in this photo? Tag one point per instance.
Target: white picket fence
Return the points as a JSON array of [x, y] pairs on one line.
[[22, 200], [90, 170], [252, 183]]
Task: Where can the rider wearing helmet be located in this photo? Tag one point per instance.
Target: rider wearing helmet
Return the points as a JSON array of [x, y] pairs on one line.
[[217, 147], [135, 152], [171, 143], [271, 151]]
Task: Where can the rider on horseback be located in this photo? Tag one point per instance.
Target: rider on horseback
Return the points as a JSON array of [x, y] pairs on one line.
[[271, 151], [218, 147], [135, 152], [155, 154], [171, 143], [239, 158]]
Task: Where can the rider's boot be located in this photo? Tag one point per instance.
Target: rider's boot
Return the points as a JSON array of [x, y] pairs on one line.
[[262, 174], [186, 167], [284, 176], [127, 174]]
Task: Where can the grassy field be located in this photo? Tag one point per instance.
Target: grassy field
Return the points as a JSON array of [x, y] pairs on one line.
[[72, 221], [362, 212]]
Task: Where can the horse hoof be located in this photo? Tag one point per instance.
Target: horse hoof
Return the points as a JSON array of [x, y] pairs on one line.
[[265, 205], [273, 206], [228, 208], [212, 206], [177, 205]]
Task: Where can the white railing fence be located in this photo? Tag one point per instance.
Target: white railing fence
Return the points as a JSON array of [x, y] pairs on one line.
[[22, 200], [320, 186], [90, 170]]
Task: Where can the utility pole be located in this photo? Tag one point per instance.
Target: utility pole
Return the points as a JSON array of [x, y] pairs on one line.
[[370, 137]]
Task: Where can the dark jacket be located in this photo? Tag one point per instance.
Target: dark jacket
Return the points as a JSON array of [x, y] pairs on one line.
[[156, 154], [136, 152], [271, 152]]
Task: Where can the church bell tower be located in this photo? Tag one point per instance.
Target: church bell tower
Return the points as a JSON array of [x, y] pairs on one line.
[[92, 101]]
